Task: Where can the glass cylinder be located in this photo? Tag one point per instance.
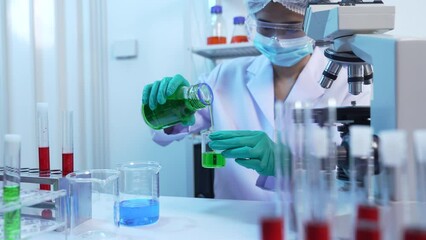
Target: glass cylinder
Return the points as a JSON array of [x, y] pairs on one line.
[[67, 143], [43, 142], [179, 107], [139, 193], [93, 199], [11, 186]]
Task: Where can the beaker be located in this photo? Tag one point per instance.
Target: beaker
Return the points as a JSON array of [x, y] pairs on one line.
[[93, 199], [139, 193], [210, 158]]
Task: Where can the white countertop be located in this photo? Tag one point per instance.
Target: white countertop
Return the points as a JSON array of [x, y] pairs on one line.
[[197, 218]]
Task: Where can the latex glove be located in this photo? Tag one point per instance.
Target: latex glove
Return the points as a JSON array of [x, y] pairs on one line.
[[251, 149], [158, 92]]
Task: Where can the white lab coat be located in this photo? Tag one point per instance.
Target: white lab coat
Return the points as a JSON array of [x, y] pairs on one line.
[[244, 100]]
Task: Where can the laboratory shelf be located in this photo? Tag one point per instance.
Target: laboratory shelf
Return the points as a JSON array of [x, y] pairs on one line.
[[222, 51]]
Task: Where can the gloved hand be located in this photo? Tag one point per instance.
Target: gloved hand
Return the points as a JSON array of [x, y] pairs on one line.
[[157, 92], [251, 149]]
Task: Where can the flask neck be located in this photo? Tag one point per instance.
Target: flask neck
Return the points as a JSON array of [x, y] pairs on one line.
[[199, 96]]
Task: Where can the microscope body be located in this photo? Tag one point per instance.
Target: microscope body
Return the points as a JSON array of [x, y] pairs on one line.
[[355, 32]]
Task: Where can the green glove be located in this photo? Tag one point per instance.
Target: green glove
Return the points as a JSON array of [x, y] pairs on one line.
[[158, 92], [251, 149]]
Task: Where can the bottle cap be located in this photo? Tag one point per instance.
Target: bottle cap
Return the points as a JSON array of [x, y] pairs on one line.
[[239, 20], [360, 140], [320, 148], [393, 147], [420, 144], [216, 9], [272, 228]]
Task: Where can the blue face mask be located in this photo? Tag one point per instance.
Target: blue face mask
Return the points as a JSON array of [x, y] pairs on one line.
[[284, 52]]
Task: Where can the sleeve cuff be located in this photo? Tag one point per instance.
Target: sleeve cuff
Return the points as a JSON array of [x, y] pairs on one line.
[[266, 182]]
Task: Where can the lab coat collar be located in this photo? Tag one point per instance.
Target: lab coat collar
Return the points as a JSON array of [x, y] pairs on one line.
[[261, 86], [306, 88]]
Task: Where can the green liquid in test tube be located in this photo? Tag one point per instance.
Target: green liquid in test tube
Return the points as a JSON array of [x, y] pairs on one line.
[[11, 186], [209, 158]]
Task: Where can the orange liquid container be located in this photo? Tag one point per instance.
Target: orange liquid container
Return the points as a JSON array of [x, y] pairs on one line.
[[217, 34], [239, 39], [216, 40], [239, 33]]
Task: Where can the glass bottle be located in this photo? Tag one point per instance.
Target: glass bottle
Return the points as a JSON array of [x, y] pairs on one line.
[[239, 33], [217, 33], [178, 107]]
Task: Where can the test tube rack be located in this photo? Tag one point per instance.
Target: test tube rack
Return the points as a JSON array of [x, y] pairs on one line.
[[41, 210]]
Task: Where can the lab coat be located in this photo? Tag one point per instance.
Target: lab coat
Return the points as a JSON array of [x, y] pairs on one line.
[[244, 100]]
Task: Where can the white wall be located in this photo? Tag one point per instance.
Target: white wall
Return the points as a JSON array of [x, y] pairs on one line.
[[158, 28], [410, 17]]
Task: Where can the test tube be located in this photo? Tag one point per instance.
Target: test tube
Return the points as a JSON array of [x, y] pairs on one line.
[[283, 218], [367, 221], [299, 167], [393, 152], [418, 228], [11, 185], [420, 150], [67, 143], [43, 142], [318, 225]]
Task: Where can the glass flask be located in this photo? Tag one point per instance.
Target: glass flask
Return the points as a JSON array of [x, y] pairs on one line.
[[178, 107]]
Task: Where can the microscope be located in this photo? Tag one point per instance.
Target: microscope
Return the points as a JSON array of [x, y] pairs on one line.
[[354, 31]]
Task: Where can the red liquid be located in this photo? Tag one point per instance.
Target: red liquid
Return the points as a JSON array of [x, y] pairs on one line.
[[272, 229], [44, 165], [415, 234], [239, 39], [216, 40], [367, 231], [47, 214], [317, 231], [368, 213], [67, 163]]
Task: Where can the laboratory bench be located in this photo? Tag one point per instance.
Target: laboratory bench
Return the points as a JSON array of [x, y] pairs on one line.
[[201, 218], [196, 218]]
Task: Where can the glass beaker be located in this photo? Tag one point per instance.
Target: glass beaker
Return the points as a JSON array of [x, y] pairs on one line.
[[210, 158], [93, 199], [139, 193]]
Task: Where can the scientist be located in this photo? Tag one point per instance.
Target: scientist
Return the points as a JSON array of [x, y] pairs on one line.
[[245, 90]]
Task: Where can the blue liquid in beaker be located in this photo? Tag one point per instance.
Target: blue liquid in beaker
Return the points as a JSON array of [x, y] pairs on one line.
[[136, 212]]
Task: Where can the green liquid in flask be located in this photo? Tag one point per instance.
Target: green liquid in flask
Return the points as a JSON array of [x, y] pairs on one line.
[[212, 160], [168, 114], [12, 219]]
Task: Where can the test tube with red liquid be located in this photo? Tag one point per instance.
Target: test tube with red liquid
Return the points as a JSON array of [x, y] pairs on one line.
[[67, 143], [43, 142], [393, 155], [317, 225]]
